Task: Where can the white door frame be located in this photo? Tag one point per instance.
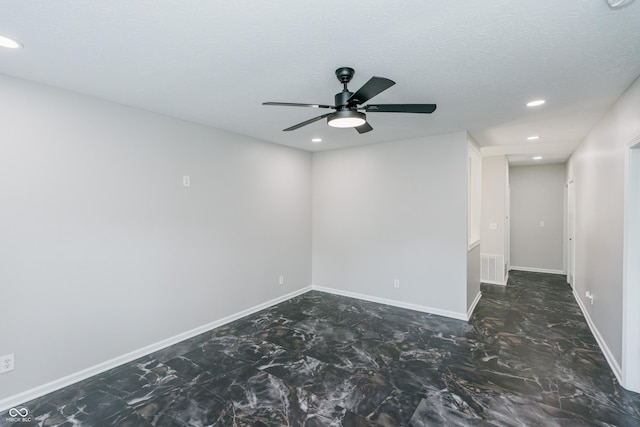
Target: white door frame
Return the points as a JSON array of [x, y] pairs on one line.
[[571, 232], [631, 270], [507, 225]]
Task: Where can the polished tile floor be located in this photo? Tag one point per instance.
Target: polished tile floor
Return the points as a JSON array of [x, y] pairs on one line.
[[526, 358]]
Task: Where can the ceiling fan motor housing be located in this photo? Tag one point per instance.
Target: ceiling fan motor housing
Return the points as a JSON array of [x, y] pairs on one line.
[[345, 74], [342, 98]]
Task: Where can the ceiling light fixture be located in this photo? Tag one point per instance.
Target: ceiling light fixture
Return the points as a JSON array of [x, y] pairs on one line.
[[316, 140], [346, 119], [618, 4], [9, 43], [537, 158], [535, 103], [533, 138]]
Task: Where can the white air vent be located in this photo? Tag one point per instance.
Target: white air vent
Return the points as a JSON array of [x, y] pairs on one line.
[[492, 269]]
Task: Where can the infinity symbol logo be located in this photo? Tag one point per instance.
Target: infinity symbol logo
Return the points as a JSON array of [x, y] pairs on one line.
[[20, 412]]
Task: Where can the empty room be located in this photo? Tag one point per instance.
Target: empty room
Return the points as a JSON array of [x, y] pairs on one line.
[[331, 214]]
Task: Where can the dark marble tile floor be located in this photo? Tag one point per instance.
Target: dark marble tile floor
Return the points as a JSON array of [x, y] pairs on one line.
[[526, 358]]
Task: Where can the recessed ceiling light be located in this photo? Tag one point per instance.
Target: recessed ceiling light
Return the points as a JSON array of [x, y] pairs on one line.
[[537, 158], [533, 138], [535, 103], [8, 43], [316, 140]]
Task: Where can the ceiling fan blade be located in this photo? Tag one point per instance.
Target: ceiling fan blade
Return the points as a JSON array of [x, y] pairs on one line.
[[374, 86], [366, 127], [401, 108], [295, 104], [308, 122]]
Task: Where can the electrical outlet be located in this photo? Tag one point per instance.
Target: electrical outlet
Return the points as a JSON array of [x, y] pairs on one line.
[[281, 280], [6, 363], [396, 283], [186, 181]]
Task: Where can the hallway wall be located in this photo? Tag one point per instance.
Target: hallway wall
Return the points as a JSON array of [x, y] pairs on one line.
[[537, 217], [598, 169]]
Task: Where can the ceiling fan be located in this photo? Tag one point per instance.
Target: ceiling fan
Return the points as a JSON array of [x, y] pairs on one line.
[[349, 111]]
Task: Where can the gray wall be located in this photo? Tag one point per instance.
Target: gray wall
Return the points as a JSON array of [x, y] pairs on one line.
[[597, 168], [537, 195], [103, 251], [394, 211]]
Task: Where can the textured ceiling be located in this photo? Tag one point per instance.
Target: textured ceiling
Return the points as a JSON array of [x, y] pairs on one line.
[[215, 63]]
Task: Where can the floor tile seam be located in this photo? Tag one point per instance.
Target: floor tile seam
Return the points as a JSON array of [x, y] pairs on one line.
[[232, 404], [202, 387], [133, 411], [375, 410], [616, 410], [214, 374], [186, 382], [109, 391], [142, 402], [55, 412], [163, 413], [306, 387], [123, 406], [536, 380], [607, 403]]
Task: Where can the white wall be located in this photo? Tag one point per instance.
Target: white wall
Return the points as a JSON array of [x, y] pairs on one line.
[[103, 251], [474, 215], [473, 278], [598, 168], [394, 211], [537, 196], [495, 181]]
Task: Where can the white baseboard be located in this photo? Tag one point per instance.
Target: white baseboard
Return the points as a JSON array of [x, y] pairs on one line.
[[536, 270], [20, 398], [395, 303], [491, 282], [613, 364], [475, 302], [472, 307]]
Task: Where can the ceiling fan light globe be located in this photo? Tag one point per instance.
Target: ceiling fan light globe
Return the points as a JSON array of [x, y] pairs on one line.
[[618, 4], [9, 43], [346, 122], [346, 119]]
